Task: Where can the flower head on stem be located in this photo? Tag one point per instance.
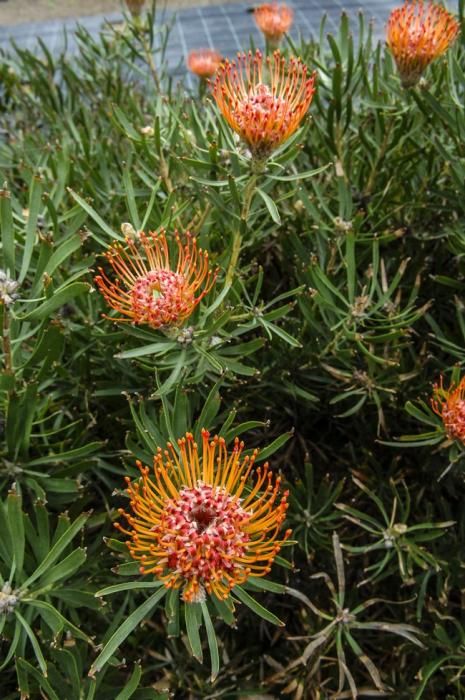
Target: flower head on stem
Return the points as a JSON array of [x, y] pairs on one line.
[[418, 33], [204, 62], [274, 21], [263, 99], [196, 521], [149, 288]]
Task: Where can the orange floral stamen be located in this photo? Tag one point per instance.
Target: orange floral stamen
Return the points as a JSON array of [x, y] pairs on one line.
[[449, 404], [204, 62], [417, 33], [147, 289], [263, 100], [274, 20], [196, 524]]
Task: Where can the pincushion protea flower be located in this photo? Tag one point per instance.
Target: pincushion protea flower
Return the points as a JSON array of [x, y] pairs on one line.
[[204, 62], [417, 33], [195, 522], [274, 20], [135, 7], [263, 100], [148, 289], [449, 404]]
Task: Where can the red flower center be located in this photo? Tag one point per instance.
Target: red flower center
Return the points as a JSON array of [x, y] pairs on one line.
[[454, 419], [160, 297], [203, 534]]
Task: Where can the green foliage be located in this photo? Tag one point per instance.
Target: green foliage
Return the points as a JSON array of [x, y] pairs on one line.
[[339, 302]]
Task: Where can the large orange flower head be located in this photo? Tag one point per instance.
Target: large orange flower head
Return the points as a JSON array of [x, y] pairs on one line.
[[274, 20], [449, 404], [197, 523], [263, 99], [417, 33], [151, 288], [204, 62]]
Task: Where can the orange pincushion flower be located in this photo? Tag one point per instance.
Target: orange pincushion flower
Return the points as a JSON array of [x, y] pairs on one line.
[[147, 288], [196, 524], [417, 33], [274, 20], [264, 101], [204, 62], [449, 404], [135, 6]]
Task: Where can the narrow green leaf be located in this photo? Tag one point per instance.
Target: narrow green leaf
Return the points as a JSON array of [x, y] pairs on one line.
[[35, 644], [16, 523], [57, 549], [58, 299], [129, 586], [35, 198], [125, 629], [7, 229], [258, 609], [132, 685], [192, 616], [65, 568], [96, 217], [299, 176], [212, 642], [274, 446], [270, 205]]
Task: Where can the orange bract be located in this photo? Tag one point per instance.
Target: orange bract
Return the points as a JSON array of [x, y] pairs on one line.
[[263, 100], [449, 404], [204, 62], [273, 20], [148, 288], [417, 33], [196, 524]]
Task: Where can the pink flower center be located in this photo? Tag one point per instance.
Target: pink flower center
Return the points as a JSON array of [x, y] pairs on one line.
[[264, 112], [202, 533], [160, 298]]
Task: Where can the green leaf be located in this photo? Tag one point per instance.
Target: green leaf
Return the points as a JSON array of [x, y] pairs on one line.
[[132, 685], [16, 523], [8, 238], [96, 217], [300, 176], [159, 348], [258, 609], [274, 446], [270, 205], [35, 644], [192, 616], [65, 568], [129, 586], [35, 199], [264, 585], [58, 299], [65, 539], [60, 621], [125, 629], [212, 642]]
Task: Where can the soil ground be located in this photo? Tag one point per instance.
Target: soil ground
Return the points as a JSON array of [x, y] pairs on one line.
[[16, 11]]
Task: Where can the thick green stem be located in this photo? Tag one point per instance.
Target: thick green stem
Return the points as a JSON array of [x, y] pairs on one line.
[[237, 238]]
